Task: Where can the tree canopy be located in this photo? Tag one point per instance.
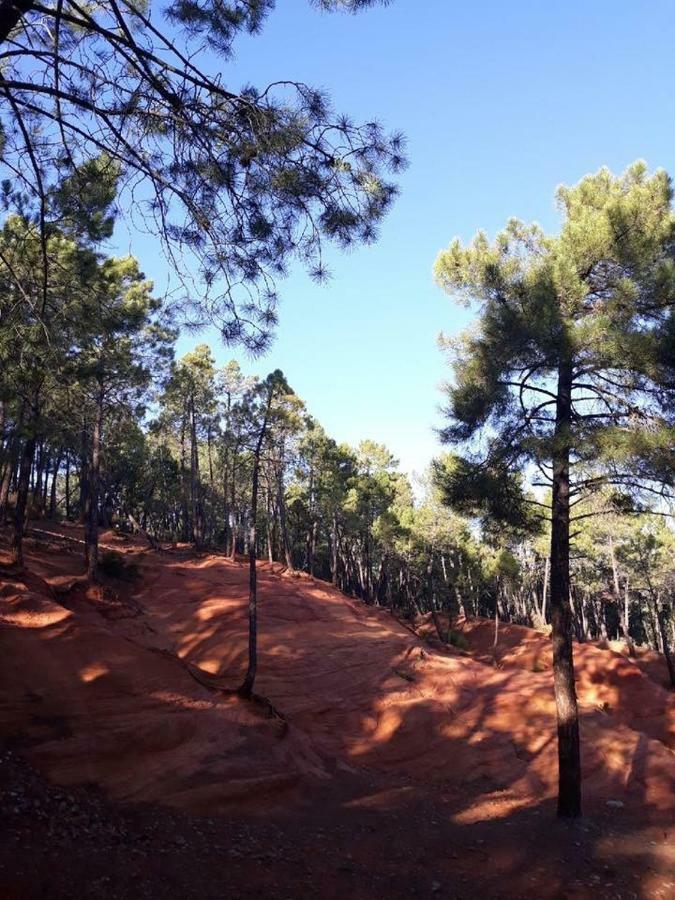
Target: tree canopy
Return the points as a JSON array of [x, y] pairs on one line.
[[234, 182]]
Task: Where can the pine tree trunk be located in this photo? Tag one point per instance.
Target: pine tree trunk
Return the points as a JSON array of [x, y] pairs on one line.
[[195, 484], [55, 475], [91, 509], [281, 505], [334, 551], [22, 491], [569, 761], [270, 530], [67, 486], [183, 479], [665, 644], [10, 466], [84, 471], [547, 576], [246, 688], [45, 484]]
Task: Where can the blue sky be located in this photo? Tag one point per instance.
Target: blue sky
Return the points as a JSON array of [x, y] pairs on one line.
[[500, 103]]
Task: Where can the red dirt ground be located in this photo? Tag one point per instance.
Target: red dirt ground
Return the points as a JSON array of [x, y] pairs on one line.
[[405, 768]]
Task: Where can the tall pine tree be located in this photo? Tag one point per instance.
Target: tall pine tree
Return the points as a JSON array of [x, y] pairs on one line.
[[569, 374]]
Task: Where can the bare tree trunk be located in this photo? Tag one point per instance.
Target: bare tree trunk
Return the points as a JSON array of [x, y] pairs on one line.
[[626, 618], [547, 578], [55, 475], [495, 643], [246, 688], [67, 485], [281, 506], [270, 529], [233, 514], [334, 550], [22, 491], [195, 483], [10, 467], [660, 615], [91, 510], [569, 757]]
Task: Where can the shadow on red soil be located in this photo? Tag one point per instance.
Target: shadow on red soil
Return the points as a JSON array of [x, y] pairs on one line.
[[405, 769]]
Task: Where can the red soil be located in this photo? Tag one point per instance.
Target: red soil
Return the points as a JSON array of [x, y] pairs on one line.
[[412, 755]]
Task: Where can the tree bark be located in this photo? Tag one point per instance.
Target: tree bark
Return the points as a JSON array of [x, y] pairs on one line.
[[246, 688], [91, 508], [195, 483], [547, 574], [569, 758], [67, 485], [10, 466], [22, 491], [334, 550], [283, 529], [55, 475]]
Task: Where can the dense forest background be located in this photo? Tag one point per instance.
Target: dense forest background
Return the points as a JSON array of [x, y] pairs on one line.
[[106, 428]]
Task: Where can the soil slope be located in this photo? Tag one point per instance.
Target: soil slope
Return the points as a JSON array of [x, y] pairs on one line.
[[95, 689]]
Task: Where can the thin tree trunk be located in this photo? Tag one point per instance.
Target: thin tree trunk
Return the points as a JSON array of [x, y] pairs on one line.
[[569, 758], [195, 483], [10, 466], [246, 688], [91, 510], [547, 577], [22, 492], [67, 485], [334, 550], [45, 484], [281, 505], [270, 530], [663, 633], [626, 618], [55, 475]]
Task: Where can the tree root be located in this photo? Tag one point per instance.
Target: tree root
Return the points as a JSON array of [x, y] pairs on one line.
[[215, 684]]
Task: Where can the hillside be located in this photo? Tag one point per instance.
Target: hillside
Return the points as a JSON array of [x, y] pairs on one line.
[[382, 725]]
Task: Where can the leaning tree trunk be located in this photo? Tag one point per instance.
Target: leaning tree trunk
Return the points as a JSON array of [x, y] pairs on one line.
[[569, 758]]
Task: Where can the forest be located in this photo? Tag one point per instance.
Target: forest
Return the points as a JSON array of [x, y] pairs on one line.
[[544, 519]]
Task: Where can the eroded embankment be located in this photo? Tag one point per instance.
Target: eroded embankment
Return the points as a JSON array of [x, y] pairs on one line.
[[92, 687]]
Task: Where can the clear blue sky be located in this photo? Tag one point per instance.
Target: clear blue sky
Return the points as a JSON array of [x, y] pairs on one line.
[[500, 103]]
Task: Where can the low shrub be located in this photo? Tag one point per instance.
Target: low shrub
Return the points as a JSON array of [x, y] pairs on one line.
[[457, 639], [114, 565]]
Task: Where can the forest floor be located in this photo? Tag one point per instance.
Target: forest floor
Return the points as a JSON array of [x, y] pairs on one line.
[[402, 768]]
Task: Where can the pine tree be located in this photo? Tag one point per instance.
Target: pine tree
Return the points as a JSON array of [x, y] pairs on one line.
[[266, 395], [234, 183], [568, 373]]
